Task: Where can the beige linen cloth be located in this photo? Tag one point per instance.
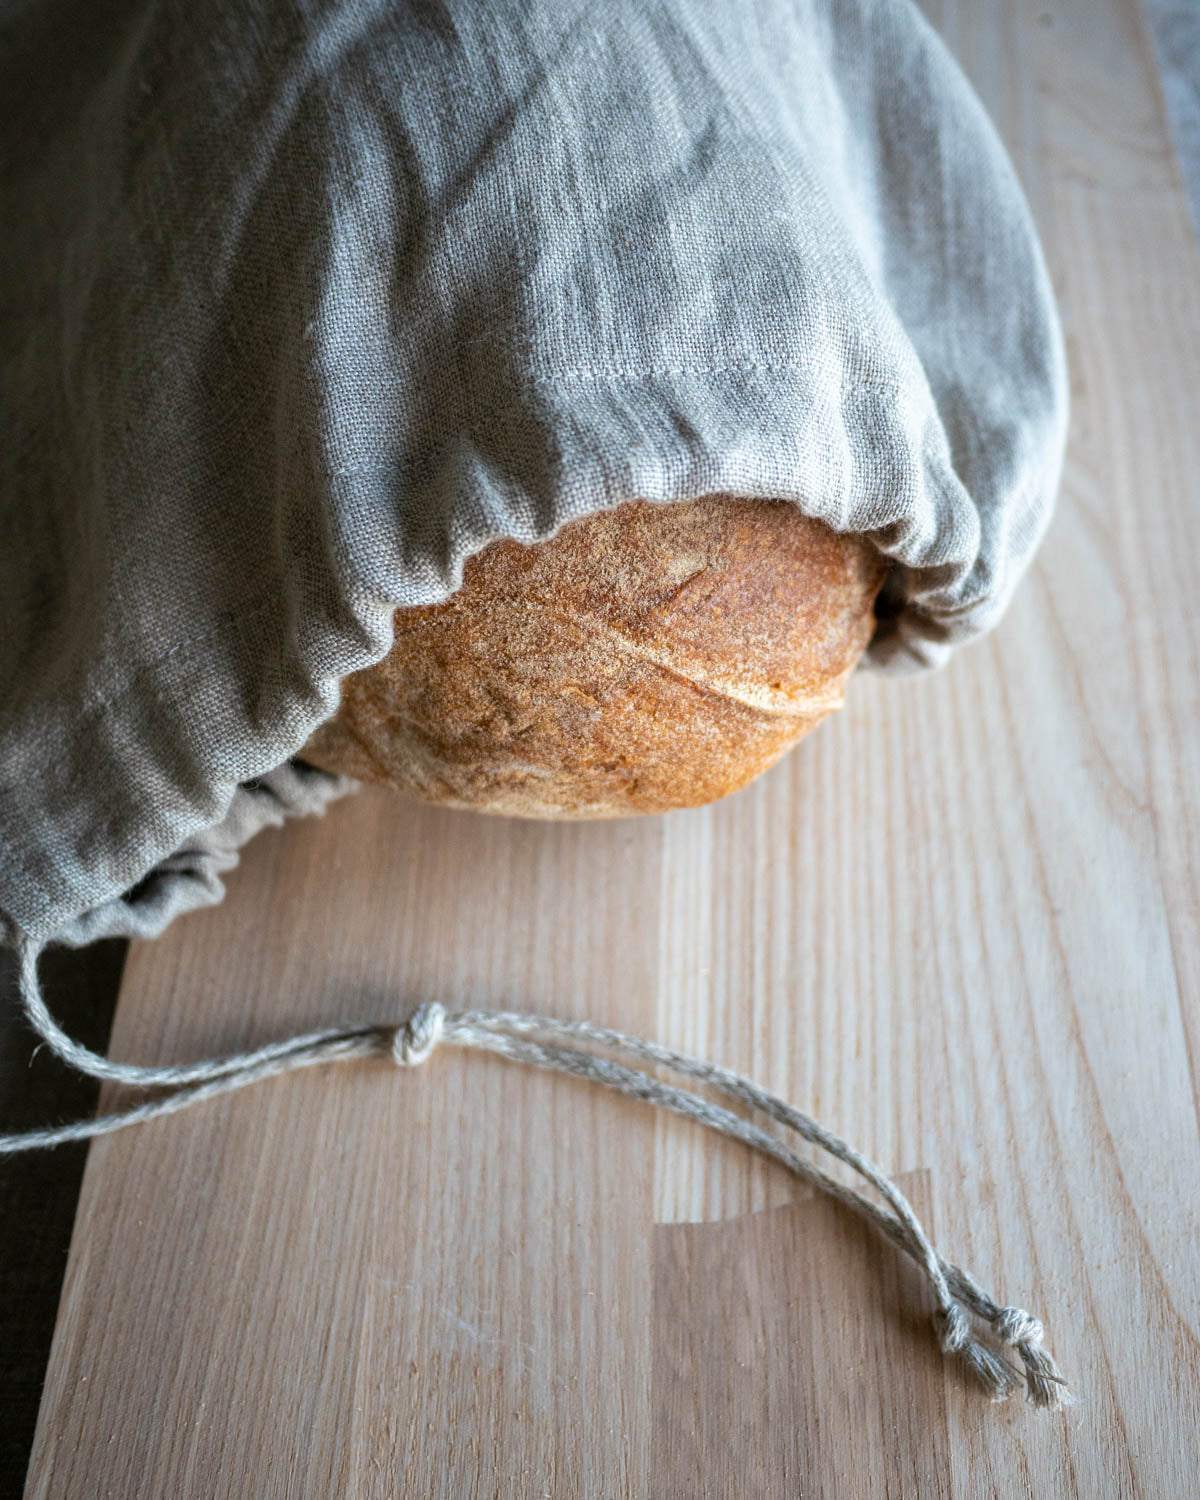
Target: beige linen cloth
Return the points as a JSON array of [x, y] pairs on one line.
[[301, 304]]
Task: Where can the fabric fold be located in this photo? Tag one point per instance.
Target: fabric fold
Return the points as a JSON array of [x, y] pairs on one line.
[[302, 306]]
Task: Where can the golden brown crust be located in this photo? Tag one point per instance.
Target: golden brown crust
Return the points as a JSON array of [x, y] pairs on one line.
[[645, 658]]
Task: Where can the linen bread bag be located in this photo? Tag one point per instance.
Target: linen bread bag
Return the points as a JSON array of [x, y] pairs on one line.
[[710, 344], [304, 306]]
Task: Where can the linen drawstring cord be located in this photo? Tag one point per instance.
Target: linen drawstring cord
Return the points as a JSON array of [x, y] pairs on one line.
[[537, 1040]]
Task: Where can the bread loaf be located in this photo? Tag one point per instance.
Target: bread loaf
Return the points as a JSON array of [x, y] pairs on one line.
[[645, 658]]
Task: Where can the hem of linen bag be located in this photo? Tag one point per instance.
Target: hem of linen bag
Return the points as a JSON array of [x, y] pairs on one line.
[[769, 436], [190, 876], [757, 430]]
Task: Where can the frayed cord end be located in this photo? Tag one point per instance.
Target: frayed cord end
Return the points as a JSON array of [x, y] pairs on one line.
[[998, 1378], [1045, 1386]]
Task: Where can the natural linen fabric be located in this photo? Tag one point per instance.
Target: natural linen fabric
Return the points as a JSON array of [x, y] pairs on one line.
[[303, 303]]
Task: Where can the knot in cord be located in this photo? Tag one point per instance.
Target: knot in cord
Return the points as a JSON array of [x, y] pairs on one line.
[[951, 1323], [415, 1040], [542, 1041], [1013, 1325]]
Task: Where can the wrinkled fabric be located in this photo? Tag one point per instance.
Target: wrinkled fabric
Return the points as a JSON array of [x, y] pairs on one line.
[[190, 877], [301, 304]]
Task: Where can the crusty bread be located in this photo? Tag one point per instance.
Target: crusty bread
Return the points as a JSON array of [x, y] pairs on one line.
[[645, 658]]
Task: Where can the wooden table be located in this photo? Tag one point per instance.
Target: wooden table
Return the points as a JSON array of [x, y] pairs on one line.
[[960, 925]]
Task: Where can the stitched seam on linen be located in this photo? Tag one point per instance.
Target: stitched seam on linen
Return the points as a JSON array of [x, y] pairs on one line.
[[616, 372]]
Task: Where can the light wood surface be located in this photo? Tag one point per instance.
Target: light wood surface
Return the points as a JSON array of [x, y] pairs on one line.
[[959, 924]]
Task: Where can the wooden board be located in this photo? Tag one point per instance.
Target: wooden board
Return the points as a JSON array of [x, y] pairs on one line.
[[960, 925]]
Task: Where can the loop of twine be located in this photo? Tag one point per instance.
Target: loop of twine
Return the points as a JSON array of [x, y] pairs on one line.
[[537, 1040]]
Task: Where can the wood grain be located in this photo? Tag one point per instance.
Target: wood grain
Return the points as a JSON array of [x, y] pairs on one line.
[[763, 1388], [959, 924]]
